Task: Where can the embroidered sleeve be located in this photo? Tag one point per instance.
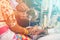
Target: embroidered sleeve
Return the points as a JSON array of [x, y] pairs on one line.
[[8, 13]]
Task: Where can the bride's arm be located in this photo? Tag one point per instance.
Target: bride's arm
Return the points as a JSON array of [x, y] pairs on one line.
[[10, 19]]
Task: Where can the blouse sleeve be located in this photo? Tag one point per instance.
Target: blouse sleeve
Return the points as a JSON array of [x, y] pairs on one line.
[[7, 13]]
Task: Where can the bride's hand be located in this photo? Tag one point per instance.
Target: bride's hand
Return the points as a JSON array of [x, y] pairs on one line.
[[35, 31]]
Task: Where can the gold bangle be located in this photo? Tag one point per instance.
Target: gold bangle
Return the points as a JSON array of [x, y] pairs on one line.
[[25, 31]]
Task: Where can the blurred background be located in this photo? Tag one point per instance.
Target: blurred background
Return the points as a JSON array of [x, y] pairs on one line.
[[47, 14]]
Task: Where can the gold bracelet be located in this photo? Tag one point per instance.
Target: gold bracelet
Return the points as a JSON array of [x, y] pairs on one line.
[[25, 31]]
